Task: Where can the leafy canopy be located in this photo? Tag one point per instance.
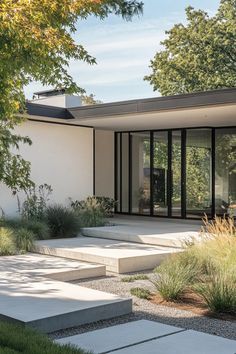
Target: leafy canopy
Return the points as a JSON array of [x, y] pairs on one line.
[[198, 56], [36, 43]]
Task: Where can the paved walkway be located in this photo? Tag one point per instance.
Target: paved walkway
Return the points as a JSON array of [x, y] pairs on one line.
[[147, 337]]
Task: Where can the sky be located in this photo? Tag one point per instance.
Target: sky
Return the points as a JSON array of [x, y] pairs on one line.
[[123, 50]]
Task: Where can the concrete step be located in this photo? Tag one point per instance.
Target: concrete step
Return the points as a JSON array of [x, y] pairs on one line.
[[51, 267], [150, 337], [158, 234], [118, 257], [49, 305]]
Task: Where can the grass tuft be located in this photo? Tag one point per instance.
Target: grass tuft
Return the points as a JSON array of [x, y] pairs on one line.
[[141, 293], [132, 278]]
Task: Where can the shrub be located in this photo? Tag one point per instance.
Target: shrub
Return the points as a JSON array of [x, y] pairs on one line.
[[34, 207], [105, 205], [89, 212], [62, 222], [141, 293], [39, 228], [7, 242], [21, 340], [132, 278], [219, 292], [174, 275], [24, 239]]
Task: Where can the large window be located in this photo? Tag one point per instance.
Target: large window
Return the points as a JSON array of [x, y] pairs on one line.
[[198, 172], [176, 173], [225, 171], [140, 172]]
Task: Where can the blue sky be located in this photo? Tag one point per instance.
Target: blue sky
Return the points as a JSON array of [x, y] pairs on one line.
[[123, 49]]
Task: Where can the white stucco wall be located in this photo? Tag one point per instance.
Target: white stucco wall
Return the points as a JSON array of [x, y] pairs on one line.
[[61, 156], [104, 163]]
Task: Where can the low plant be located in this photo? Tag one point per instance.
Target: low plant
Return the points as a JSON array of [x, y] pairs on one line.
[[141, 293], [39, 228], [89, 212], [34, 207], [7, 242], [21, 340], [62, 221], [24, 239], [174, 275], [219, 292], [105, 205], [132, 278]]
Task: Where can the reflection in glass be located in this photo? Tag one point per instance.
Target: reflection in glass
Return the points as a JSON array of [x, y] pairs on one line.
[[176, 173], [125, 173], [198, 172], [160, 168], [140, 172], [225, 175]]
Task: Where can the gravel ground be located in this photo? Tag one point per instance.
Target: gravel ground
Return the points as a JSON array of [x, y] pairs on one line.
[[143, 309]]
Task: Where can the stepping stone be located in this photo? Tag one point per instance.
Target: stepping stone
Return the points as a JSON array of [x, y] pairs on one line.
[[115, 337], [187, 342], [51, 267], [50, 305], [118, 257]]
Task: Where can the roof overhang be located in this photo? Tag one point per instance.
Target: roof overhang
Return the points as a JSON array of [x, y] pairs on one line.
[[212, 108]]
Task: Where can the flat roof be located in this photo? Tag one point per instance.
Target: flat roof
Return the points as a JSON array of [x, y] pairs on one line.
[[207, 107]]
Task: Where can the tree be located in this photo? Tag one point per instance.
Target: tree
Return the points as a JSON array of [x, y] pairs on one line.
[[36, 43], [89, 100], [198, 56]]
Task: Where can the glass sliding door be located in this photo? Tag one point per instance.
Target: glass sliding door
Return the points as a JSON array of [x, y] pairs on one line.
[[117, 172], [225, 171], [125, 172], [160, 173], [140, 173], [176, 177], [198, 173]]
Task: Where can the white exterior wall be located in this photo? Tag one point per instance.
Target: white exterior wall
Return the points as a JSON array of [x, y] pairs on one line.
[[104, 163], [61, 156], [64, 101]]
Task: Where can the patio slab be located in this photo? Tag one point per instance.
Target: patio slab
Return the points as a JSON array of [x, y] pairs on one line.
[[158, 232], [187, 342], [115, 337], [51, 305], [51, 267], [118, 257]]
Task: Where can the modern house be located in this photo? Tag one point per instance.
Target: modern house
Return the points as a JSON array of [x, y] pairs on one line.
[[165, 156]]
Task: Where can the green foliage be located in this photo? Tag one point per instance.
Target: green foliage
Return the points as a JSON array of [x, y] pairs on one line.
[[198, 56], [90, 212], [141, 293], [132, 278], [219, 292], [7, 242], [62, 222], [174, 275], [21, 340], [37, 44], [39, 228], [24, 239], [34, 207]]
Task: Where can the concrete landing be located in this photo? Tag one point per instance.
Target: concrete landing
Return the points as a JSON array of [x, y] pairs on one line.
[[51, 267], [150, 337], [158, 233], [118, 257]]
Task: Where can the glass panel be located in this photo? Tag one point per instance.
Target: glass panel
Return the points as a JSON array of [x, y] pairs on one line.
[[198, 172], [225, 175], [125, 173], [160, 168], [176, 173], [141, 172], [118, 172]]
